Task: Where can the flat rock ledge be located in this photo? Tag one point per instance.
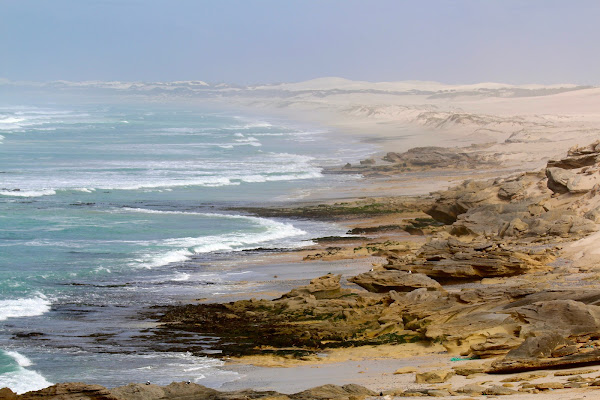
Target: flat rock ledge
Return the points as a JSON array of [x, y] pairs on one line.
[[400, 281]]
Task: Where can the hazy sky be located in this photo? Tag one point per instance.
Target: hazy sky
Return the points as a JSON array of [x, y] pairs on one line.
[[251, 41]]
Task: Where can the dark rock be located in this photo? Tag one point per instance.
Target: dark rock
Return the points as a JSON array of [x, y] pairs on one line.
[[499, 391], [574, 162]]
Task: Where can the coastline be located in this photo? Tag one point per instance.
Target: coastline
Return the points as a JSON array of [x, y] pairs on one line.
[[341, 372], [372, 372]]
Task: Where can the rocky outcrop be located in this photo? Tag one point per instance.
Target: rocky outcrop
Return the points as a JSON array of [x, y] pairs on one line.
[[526, 196], [496, 227], [564, 317], [7, 394], [452, 259], [440, 157], [424, 159], [181, 391], [572, 181], [579, 157], [67, 391], [333, 392], [399, 281], [324, 287], [316, 316], [537, 353], [459, 199]]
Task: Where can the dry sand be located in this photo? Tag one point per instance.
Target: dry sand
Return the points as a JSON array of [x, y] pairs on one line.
[[526, 125]]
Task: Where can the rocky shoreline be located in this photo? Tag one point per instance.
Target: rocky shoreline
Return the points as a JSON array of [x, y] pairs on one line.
[[490, 275]]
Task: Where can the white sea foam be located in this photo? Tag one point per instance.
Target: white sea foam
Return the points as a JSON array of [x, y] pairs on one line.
[[29, 307], [19, 358], [184, 248], [269, 170], [181, 276], [248, 140], [22, 380], [11, 120], [170, 257], [251, 125], [28, 193]]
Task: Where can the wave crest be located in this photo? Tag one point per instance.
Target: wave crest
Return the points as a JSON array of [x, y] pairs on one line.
[[29, 307]]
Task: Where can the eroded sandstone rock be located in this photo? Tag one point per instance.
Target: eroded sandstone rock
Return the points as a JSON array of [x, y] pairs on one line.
[[438, 376], [400, 281], [324, 287], [182, 391], [71, 391]]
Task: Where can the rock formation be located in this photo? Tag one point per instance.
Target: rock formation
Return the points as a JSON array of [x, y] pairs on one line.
[[400, 281], [181, 391]]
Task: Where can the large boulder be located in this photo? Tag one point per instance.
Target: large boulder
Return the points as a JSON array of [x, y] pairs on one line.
[[333, 392], [567, 317], [400, 281], [71, 391], [571, 181], [437, 376], [453, 260], [324, 287], [512, 363], [174, 391], [539, 346]]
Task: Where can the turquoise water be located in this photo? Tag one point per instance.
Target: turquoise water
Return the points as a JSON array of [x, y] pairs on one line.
[[106, 209]]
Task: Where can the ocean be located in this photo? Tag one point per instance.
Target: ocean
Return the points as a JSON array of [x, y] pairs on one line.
[[107, 209]]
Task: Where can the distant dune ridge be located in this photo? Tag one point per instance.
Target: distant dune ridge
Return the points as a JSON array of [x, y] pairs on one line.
[[404, 114]]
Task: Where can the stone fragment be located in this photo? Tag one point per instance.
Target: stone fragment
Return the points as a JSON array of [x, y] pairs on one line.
[[324, 287], [564, 351], [499, 391], [405, 370], [575, 372], [494, 346], [558, 179], [438, 393], [526, 377], [438, 376], [472, 389], [548, 385]]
